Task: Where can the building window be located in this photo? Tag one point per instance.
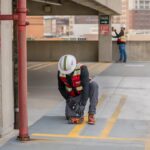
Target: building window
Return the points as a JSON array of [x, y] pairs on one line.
[[147, 4], [71, 28], [142, 4]]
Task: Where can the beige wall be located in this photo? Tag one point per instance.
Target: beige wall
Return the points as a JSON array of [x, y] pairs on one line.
[[6, 71], [84, 51], [137, 51], [52, 50]]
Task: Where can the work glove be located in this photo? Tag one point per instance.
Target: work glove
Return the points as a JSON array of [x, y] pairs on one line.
[[75, 106], [72, 104], [79, 109]]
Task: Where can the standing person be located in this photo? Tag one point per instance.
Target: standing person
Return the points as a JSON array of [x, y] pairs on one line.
[[75, 86], [121, 41]]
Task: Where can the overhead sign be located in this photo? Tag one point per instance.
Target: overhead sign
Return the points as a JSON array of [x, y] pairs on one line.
[[104, 19], [104, 25], [104, 29]]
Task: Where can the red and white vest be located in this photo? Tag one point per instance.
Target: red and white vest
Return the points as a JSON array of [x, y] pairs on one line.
[[76, 81]]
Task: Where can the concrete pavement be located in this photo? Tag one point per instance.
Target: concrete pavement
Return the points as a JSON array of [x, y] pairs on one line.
[[123, 112]]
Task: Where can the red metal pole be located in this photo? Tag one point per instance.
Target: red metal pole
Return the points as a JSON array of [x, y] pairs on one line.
[[9, 17], [22, 71], [22, 67]]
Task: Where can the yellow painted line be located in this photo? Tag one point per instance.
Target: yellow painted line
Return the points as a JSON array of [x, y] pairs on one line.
[[89, 64], [33, 66], [101, 67], [98, 68], [101, 100], [89, 137], [92, 66], [111, 122], [78, 128], [43, 66]]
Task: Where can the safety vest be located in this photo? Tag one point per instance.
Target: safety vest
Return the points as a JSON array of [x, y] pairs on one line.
[[122, 39], [76, 82]]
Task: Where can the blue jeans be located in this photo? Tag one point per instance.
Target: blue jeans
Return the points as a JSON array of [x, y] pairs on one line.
[[122, 50]]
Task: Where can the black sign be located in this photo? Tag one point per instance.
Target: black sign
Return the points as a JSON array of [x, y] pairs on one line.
[[104, 19]]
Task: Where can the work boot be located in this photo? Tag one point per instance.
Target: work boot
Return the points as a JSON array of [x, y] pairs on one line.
[[75, 120], [91, 119]]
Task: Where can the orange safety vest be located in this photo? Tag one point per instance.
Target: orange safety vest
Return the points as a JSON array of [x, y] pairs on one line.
[[76, 82]]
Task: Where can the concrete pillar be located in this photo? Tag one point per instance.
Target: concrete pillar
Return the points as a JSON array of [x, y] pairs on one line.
[[105, 39], [6, 71]]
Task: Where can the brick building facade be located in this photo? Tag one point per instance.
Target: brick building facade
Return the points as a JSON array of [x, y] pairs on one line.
[[35, 30]]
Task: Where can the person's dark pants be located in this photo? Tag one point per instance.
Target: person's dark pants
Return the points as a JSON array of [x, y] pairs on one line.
[[122, 51], [93, 97]]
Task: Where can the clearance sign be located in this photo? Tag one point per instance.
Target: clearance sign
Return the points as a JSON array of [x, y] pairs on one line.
[[104, 25]]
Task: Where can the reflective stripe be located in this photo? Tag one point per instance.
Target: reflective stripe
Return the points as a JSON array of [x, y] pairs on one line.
[[77, 72], [79, 88], [122, 39], [62, 75], [65, 63], [68, 89], [78, 66]]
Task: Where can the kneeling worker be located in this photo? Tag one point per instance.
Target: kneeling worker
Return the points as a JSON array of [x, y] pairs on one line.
[[75, 86]]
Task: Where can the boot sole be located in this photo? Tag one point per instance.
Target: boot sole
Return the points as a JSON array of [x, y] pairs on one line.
[[90, 123], [75, 120]]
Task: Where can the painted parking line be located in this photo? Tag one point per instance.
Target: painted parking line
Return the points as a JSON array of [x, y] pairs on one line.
[[44, 66], [36, 65], [97, 68], [93, 66], [75, 132], [134, 65], [112, 120], [88, 64], [89, 137]]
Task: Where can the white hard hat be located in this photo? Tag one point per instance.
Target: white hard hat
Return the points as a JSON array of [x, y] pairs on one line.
[[123, 26], [67, 64]]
